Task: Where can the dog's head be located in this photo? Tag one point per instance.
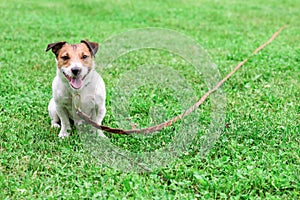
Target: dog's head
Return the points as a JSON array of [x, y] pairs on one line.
[[74, 61]]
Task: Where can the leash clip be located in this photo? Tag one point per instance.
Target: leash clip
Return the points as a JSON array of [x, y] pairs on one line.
[[76, 99]]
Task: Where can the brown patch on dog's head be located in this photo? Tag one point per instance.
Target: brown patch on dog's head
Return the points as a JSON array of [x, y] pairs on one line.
[[66, 54]]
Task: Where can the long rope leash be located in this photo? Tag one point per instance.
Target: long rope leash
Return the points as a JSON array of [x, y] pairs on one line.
[[179, 117]]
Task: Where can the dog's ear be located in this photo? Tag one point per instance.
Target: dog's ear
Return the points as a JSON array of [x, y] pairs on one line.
[[93, 46], [55, 47]]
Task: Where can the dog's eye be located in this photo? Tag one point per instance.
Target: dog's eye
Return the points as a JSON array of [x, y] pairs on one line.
[[65, 58], [84, 57]]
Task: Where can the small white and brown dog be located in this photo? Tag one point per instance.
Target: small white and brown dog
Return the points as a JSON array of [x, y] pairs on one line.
[[76, 74]]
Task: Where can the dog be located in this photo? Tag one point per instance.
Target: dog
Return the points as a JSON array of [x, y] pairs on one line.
[[76, 75]]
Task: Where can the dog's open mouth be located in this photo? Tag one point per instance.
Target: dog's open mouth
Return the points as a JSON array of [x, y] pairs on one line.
[[75, 82]]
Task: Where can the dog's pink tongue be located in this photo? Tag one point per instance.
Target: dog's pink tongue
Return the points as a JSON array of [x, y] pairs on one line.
[[76, 83]]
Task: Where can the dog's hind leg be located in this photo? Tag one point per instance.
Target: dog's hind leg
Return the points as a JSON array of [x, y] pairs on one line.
[[99, 118], [55, 121]]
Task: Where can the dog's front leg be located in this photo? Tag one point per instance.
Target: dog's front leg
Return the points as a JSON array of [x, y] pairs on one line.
[[65, 122]]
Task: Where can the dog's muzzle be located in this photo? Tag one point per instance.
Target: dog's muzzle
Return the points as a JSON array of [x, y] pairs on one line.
[[76, 71]]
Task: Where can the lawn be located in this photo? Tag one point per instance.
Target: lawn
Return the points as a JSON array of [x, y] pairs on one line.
[[256, 155]]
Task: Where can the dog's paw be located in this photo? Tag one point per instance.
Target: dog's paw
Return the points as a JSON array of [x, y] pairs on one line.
[[55, 125], [63, 134], [101, 134]]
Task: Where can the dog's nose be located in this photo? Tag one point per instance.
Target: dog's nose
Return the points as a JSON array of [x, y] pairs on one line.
[[76, 70]]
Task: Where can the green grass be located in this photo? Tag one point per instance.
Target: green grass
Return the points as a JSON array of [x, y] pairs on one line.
[[256, 157]]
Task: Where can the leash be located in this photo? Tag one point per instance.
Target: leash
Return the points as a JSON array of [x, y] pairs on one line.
[[77, 97]]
